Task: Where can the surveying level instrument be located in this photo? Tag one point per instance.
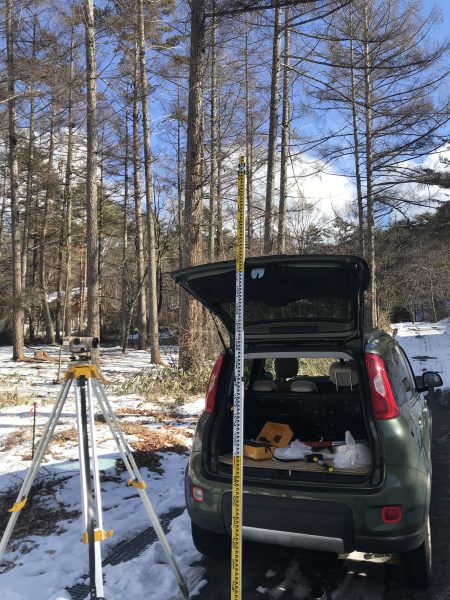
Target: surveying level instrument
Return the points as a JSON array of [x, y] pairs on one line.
[[84, 378], [80, 347], [238, 405]]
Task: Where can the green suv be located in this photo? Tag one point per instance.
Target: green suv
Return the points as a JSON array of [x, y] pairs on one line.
[[351, 397]]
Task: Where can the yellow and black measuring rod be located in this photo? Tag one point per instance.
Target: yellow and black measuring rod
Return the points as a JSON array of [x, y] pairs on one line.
[[238, 410]]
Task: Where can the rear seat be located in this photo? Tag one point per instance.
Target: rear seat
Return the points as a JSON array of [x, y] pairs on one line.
[[310, 414], [342, 408], [304, 386], [264, 385]]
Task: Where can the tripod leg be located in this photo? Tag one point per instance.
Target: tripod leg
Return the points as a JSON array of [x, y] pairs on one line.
[[95, 568], [137, 482], [35, 464]]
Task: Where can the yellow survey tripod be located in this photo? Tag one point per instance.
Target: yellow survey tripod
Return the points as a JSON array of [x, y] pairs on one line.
[[84, 376]]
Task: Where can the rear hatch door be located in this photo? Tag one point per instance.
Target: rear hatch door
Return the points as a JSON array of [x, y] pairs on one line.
[[311, 299]]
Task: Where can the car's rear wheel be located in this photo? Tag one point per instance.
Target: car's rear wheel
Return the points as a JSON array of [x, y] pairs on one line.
[[417, 564], [210, 543]]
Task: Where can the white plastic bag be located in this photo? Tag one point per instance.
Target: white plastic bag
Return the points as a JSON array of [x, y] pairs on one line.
[[294, 450], [352, 454], [298, 450]]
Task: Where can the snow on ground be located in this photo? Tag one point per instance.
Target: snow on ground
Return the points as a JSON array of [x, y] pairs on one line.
[[39, 567], [427, 346]]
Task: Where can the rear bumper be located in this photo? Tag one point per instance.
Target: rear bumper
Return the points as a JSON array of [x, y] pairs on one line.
[[294, 522], [337, 522]]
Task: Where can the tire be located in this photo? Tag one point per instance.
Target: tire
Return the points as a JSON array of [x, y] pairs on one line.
[[417, 564], [210, 543]]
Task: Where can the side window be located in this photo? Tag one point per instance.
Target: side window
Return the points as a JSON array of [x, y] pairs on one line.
[[411, 376], [400, 379], [269, 369]]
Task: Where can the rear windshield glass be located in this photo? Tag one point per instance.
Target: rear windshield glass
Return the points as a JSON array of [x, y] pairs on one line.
[[316, 309], [280, 292]]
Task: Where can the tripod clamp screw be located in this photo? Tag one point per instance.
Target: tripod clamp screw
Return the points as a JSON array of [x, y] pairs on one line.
[[18, 506], [140, 485], [100, 535]]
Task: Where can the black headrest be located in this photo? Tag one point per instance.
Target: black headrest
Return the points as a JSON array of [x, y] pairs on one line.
[[286, 367]]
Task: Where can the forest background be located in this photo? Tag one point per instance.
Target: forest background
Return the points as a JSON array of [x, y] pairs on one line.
[[121, 124]]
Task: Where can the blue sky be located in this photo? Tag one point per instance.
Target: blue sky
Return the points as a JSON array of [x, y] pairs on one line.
[[444, 7]]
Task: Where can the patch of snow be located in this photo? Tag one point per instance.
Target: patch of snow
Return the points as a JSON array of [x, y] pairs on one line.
[[427, 346], [59, 560]]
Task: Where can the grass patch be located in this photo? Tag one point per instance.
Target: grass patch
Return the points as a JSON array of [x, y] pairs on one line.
[[315, 367], [310, 367], [41, 514], [168, 382], [62, 436], [143, 458], [154, 440], [160, 416], [11, 397], [16, 438], [148, 443]]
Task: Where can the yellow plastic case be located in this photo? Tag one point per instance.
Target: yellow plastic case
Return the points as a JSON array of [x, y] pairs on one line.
[[272, 435]]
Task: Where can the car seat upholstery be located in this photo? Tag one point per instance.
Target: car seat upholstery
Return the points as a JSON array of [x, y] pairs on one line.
[[264, 385], [344, 375], [304, 387]]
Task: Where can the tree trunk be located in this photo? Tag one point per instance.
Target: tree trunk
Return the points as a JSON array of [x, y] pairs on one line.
[[63, 250], [49, 330], [82, 302], [67, 311], [3, 208], [100, 163], [248, 152], [219, 220], [93, 300], [125, 266], [369, 180], [152, 297], [213, 131], [273, 129], [179, 184], [191, 314], [359, 193], [180, 197], [139, 237], [17, 300], [59, 319], [34, 267], [29, 188], [285, 139]]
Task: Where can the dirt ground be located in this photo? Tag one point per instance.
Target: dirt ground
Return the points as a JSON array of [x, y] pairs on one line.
[[273, 572]]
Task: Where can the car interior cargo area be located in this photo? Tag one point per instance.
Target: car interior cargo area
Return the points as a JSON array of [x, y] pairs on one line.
[[302, 414]]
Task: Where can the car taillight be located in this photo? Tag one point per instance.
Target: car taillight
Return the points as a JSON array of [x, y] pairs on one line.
[[212, 385], [197, 493], [384, 406], [391, 514]]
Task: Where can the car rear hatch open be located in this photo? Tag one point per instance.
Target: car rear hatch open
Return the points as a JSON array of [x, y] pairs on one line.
[[302, 299]]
